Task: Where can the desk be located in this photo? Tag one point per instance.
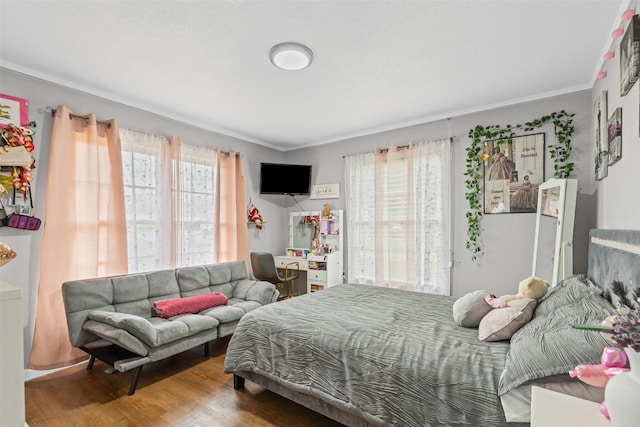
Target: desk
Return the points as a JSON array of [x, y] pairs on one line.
[[323, 271]]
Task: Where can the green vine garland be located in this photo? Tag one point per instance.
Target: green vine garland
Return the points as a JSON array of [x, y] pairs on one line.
[[560, 153]]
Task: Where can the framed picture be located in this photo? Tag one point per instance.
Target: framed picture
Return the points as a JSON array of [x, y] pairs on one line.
[[601, 137], [13, 111], [325, 191], [513, 173], [614, 136], [630, 56]]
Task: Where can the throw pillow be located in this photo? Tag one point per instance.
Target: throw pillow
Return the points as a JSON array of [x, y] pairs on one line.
[[173, 307], [470, 309], [501, 323]]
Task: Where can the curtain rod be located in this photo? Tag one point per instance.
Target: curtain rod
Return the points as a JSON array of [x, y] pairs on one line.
[[71, 116], [400, 147], [226, 153]]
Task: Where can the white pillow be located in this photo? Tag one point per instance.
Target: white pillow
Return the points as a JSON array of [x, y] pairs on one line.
[[501, 323], [468, 310]]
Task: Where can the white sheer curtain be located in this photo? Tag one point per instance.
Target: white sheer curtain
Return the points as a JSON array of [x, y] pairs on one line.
[[170, 191], [398, 222]]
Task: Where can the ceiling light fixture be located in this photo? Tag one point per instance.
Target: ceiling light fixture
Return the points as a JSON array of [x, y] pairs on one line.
[[291, 56]]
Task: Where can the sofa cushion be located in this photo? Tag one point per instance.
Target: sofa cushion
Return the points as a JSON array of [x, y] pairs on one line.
[[130, 287], [192, 278], [247, 306], [251, 290], [224, 313], [155, 331], [117, 336], [173, 307]]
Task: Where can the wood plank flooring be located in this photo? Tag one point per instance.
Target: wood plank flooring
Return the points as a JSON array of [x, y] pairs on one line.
[[184, 390]]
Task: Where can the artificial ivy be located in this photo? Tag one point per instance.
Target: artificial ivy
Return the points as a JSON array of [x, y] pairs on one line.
[[476, 155]]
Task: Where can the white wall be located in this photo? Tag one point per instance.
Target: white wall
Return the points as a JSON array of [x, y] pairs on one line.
[[618, 201]]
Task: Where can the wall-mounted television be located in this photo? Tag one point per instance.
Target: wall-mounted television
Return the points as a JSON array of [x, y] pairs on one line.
[[282, 178]]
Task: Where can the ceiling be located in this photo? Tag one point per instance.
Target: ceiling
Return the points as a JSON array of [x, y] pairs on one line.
[[378, 65]]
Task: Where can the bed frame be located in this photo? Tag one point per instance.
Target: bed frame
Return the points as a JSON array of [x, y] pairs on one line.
[[614, 265]]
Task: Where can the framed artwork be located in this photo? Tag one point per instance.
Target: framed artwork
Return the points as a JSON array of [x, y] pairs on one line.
[[512, 174], [13, 111], [630, 56], [614, 136], [601, 137], [325, 191]]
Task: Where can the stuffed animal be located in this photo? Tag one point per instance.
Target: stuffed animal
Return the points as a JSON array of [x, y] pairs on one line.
[[531, 287], [254, 215]]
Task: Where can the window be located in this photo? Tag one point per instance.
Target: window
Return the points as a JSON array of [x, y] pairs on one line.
[[170, 201], [398, 220]]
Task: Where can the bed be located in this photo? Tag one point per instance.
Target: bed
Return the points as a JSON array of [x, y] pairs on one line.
[[369, 356]]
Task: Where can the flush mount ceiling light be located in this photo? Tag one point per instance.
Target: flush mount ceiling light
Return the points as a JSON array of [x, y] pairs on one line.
[[291, 56]]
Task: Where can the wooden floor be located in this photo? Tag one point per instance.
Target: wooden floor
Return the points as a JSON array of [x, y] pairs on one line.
[[184, 390]]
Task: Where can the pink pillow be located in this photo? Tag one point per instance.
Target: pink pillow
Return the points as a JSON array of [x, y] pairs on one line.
[[173, 307]]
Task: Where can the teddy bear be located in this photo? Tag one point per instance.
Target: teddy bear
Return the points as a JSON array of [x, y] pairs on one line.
[[531, 287]]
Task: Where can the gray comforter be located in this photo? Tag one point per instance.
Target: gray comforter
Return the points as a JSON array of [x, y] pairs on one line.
[[390, 357]]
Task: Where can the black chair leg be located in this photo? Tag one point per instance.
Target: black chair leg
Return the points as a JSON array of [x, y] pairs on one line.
[[238, 382], [92, 359], [134, 381]]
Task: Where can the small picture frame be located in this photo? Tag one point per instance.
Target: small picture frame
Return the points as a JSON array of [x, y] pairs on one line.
[[601, 136], [325, 191], [614, 133], [13, 111], [630, 56]]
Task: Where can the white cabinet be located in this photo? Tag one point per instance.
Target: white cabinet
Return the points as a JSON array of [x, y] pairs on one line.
[[552, 409], [11, 357], [324, 271]]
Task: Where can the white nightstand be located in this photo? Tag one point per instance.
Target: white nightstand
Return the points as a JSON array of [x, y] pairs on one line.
[[553, 409]]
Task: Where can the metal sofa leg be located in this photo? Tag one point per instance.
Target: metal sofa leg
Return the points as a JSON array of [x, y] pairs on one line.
[[134, 381], [92, 359], [238, 382]]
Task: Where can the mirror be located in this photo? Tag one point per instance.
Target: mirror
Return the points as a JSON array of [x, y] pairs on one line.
[[555, 215], [544, 253], [300, 233]]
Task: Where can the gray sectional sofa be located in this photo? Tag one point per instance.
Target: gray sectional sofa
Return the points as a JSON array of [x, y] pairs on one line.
[[113, 318]]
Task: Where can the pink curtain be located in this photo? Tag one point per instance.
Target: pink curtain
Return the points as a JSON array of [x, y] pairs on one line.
[[232, 236], [84, 233]]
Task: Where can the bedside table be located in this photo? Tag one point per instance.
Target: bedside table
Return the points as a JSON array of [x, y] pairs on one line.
[[553, 409]]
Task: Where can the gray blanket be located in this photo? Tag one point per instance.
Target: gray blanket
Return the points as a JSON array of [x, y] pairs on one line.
[[390, 357]]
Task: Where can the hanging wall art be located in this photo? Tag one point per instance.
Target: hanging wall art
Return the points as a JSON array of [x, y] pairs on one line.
[[513, 171]]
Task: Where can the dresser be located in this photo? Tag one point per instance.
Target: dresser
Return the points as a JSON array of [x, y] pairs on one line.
[[11, 357]]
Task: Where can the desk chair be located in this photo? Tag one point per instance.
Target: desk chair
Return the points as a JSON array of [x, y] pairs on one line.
[[264, 268]]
